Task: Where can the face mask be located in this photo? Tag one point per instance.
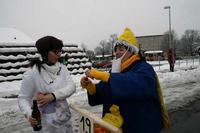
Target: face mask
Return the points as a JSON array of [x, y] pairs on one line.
[[116, 64]]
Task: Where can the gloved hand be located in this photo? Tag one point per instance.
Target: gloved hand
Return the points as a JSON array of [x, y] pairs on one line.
[[93, 73], [88, 85]]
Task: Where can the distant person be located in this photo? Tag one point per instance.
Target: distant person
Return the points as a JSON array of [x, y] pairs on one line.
[[49, 82], [132, 88], [171, 59]]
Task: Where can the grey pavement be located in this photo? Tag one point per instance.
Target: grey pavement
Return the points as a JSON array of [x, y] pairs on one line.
[[186, 120]]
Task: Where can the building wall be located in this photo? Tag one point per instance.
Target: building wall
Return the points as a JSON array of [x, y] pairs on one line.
[[152, 43]]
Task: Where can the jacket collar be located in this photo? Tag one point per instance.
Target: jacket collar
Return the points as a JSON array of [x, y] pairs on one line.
[[130, 61]]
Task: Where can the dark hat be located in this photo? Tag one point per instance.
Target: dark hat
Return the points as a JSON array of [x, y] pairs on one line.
[[48, 43]]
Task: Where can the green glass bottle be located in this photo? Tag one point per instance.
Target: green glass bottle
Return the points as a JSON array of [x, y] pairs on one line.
[[36, 114]]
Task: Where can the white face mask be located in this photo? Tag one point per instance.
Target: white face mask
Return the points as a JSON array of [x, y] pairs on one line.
[[116, 64]]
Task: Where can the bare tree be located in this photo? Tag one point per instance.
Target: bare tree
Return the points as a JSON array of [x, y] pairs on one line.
[[174, 41], [101, 49], [112, 40], [98, 50], [84, 47], [106, 46], [90, 54], [188, 38]]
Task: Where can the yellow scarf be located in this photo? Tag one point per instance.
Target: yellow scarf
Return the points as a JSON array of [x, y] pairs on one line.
[[165, 116], [128, 62], [166, 123]]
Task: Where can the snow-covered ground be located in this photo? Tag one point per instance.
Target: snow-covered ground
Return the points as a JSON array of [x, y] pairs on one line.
[[179, 88]]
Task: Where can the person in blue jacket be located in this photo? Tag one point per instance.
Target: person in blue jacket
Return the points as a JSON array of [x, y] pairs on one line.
[[132, 85]]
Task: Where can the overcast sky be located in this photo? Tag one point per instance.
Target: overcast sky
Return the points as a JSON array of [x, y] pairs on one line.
[[90, 21]]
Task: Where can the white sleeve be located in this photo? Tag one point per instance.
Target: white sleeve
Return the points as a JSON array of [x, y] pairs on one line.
[[69, 88], [26, 94]]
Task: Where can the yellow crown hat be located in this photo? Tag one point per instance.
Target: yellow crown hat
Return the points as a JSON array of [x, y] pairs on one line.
[[128, 39]]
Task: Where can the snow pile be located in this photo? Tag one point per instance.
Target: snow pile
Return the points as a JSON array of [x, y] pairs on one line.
[[11, 35], [180, 87]]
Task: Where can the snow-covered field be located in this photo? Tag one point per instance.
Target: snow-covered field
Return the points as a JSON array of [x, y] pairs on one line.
[[179, 88]]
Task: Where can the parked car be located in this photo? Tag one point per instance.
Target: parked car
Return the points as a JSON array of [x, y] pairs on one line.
[[103, 64]]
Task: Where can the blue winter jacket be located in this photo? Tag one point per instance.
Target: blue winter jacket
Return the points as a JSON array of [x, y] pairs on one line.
[[134, 91]]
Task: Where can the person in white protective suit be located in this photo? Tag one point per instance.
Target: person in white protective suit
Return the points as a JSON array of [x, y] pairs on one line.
[[49, 82]]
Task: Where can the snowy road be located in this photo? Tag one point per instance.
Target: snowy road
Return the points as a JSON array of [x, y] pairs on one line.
[[14, 122]]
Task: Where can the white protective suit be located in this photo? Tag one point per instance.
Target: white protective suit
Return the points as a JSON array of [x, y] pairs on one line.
[[53, 79]]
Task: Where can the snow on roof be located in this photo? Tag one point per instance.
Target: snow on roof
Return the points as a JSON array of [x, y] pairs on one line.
[[153, 52], [14, 36], [107, 55]]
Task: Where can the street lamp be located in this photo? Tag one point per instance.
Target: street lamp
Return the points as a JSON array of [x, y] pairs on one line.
[[170, 41]]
